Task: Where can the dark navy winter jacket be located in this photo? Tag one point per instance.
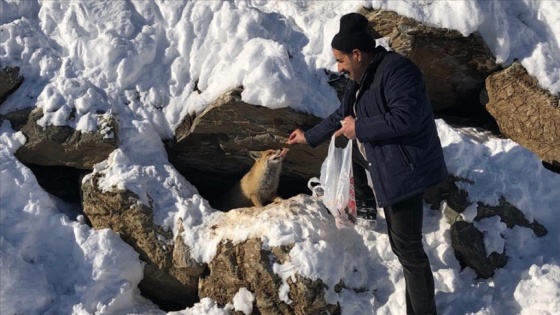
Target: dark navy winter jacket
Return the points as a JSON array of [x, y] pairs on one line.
[[396, 125]]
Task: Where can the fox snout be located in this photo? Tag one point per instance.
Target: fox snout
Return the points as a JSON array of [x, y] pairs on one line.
[[284, 152], [281, 153]]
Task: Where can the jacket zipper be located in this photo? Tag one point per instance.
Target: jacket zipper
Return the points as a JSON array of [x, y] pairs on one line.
[[406, 156], [355, 112]]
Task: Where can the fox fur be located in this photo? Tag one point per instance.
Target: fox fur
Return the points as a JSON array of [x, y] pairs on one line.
[[258, 187]]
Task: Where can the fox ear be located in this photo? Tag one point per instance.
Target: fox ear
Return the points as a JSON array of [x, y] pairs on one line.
[[255, 154]]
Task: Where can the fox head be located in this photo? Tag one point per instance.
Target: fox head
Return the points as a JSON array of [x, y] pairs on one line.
[[269, 156]]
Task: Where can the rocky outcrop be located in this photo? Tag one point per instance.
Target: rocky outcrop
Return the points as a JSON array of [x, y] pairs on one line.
[[56, 145], [212, 149], [525, 112], [466, 240], [454, 66], [63, 145], [468, 243], [170, 274], [509, 215], [248, 265]]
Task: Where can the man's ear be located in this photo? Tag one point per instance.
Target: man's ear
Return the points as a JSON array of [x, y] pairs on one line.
[[357, 54], [255, 154]]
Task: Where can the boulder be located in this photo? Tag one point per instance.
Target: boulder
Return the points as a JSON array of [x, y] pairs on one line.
[[525, 112], [212, 149], [10, 80], [248, 265], [509, 215], [454, 66], [170, 274], [63, 145], [468, 243]]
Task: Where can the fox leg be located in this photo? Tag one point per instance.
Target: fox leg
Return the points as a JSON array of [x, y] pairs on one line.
[[256, 201]]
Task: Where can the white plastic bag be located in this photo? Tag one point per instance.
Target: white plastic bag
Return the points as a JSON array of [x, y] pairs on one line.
[[337, 183]]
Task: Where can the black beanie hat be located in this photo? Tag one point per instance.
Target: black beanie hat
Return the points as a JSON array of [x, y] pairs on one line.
[[353, 34]]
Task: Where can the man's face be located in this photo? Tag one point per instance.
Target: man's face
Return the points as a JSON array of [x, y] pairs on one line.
[[349, 63]]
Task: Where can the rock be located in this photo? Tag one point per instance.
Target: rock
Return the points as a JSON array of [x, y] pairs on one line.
[[17, 118], [170, 274], [249, 265], [468, 243], [525, 112], [212, 149], [454, 66], [456, 200], [449, 191], [510, 215], [10, 80], [63, 145]]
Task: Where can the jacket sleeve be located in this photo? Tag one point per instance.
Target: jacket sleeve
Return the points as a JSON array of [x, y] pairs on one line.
[[324, 130], [404, 92]]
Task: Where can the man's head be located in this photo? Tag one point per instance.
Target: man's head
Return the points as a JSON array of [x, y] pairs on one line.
[[353, 45]]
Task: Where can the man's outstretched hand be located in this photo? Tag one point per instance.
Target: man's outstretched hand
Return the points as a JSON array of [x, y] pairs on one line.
[[296, 137]]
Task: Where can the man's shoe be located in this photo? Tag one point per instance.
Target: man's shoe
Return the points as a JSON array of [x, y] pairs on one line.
[[367, 214]]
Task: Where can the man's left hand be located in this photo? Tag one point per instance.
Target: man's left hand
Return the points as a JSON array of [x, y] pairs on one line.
[[348, 128]]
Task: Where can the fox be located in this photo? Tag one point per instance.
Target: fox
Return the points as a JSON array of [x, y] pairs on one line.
[[259, 185]]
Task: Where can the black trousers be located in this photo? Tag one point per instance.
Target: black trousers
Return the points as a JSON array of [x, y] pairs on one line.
[[404, 225]]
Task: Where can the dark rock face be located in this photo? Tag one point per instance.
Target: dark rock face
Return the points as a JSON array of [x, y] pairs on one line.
[[212, 149], [525, 112], [510, 215], [64, 145], [454, 66], [466, 240], [456, 198], [10, 80], [468, 243], [61, 181]]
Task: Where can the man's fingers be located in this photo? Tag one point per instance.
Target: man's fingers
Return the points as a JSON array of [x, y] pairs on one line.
[[290, 140], [294, 138], [338, 133]]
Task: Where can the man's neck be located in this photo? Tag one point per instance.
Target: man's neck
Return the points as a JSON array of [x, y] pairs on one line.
[[368, 58], [372, 60]]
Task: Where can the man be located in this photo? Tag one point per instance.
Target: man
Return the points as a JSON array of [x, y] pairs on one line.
[[387, 112]]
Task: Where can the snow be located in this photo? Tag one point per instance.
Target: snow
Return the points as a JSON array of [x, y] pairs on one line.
[[243, 301], [150, 63]]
